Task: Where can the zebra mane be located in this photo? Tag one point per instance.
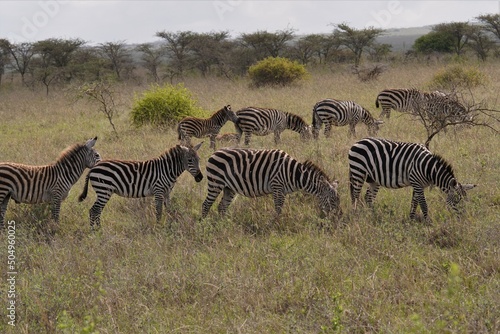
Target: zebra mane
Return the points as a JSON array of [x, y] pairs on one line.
[[69, 153], [446, 165], [311, 166]]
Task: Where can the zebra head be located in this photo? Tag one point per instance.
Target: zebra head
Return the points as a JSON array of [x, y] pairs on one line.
[[230, 114], [92, 157], [374, 127], [329, 200], [306, 132], [191, 161], [456, 192]]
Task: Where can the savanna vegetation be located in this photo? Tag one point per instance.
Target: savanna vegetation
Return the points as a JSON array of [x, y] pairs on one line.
[[368, 271]]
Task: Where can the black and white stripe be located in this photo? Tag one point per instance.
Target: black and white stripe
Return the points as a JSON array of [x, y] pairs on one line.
[[403, 99], [155, 177], [201, 127], [390, 164], [45, 184], [439, 111], [341, 113], [255, 173], [263, 121]]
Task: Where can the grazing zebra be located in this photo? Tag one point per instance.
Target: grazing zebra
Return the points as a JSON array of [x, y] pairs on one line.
[[340, 113], [49, 183], [402, 100], [262, 121], [255, 173], [133, 179], [200, 127], [440, 111], [381, 162]]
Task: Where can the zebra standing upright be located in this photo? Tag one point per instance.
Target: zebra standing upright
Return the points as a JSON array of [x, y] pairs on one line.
[[155, 177], [340, 113], [49, 183], [255, 173], [402, 100], [201, 127], [262, 121], [390, 164]]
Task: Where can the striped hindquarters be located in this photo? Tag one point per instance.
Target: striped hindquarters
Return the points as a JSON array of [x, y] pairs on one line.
[[398, 99], [261, 121]]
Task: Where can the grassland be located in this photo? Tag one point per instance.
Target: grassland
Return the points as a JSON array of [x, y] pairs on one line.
[[371, 271]]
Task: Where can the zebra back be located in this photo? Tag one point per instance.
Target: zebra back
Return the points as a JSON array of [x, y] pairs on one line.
[[398, 99]]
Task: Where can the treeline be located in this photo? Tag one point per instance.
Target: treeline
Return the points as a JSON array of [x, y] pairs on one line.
[[61, 61]]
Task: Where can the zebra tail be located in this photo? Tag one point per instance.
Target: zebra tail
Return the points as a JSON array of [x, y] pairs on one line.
[[83, 195], [179, 137], [376, 102]]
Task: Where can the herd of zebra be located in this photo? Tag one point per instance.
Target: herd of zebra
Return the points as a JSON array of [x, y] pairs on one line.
[[245, 171]]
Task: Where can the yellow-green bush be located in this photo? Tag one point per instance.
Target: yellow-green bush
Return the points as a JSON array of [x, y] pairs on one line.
[[276, 72], [458, 77], [164, 105]]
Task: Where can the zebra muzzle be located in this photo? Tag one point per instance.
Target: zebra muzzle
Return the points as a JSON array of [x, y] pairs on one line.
[[198, 177]]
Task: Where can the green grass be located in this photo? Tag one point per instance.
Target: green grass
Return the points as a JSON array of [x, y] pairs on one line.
[[371, 271]]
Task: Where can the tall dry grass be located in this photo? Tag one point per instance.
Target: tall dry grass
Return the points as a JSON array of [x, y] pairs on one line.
[[371, 271]]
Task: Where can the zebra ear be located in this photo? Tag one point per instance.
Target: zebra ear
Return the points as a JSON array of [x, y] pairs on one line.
[[91, 142], [197, 147], [335, 184]]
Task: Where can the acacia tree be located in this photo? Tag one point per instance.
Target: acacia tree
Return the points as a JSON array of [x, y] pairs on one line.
[[118, 56], [152, 58], [356, 40], [491, 23], [459, 33], [208, 50], [480, 42], [267, 44], [177, 48], [21, 55]]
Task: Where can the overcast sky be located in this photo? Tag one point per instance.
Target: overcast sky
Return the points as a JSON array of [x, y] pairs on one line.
[[138, 21]]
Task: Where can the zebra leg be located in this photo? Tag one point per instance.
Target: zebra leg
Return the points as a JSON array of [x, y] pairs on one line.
[[247, 138], [212, 141], [371, 193], [207, 204], [352, 130], [279, 199], [418, 198], [159, 199], [3, 209], [96, 209], [355, 189], [277, 138], [328, 129], [227, 198], [56, 208]]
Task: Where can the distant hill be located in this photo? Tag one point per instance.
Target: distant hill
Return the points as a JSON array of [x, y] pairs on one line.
[[402, 39]]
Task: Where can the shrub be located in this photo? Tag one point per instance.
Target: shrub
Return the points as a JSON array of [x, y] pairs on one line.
[[164, 105], [458, 77], [276, 72]]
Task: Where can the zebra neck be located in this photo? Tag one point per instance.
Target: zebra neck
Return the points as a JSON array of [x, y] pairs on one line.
[[294, 123], [305, 179], [172, 162], [440, 176], [70, 172]]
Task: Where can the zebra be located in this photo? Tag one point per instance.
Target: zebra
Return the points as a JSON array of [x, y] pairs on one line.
[[340, 113], [262, 121], [440, 111], [402, 100], [134, 179], [254, 173], [391, 164], [48, 183], [200, 127], [230, 138]]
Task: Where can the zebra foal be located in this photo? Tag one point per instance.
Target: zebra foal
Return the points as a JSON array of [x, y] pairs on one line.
[[134, 179], [201, 127], [254, 173], [341, 113], [45, 184], [390, 164], [263, 121]]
